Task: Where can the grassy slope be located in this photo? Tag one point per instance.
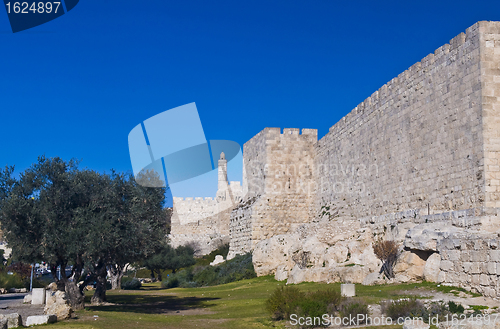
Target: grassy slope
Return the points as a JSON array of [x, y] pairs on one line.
[[234, 305]]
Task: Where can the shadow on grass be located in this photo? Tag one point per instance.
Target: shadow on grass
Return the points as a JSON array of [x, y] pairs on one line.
[[151, 304]]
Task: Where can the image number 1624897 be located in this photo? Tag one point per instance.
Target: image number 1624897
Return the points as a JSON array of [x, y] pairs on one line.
[[33, 8]]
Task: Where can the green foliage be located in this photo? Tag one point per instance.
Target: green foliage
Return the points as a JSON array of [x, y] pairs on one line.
[[284, 301], [236, 269], [287, 300], [130, 283], [223, 250], [60, 214], [169, 258], [8, 281], [411, 307], [455, 308], [352, 309]]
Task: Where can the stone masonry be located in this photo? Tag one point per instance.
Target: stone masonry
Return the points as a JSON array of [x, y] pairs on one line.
[[205, 221], [422, 150], [417, 162]]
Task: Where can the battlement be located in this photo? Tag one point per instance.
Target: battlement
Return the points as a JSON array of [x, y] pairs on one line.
[[191, 199]]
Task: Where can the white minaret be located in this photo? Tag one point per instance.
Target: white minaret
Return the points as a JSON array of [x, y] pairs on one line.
[[222, 173]]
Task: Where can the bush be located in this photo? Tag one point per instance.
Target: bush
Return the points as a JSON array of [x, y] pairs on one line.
[[8, 281], [455, 308], [284, 301], [405, 307], [352, 309], [238, 268], [130, 283], [387, 252], [170, 283], [288, 300]]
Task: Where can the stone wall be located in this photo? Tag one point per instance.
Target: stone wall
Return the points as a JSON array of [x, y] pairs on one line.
[[278, 176], [416, 143], [204, 222]]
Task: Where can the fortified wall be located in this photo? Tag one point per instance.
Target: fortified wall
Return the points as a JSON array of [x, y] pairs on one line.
[[204, 222], [417, 160]]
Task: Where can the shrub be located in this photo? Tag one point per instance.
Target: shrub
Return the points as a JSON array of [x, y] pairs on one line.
[[130, 283], [238, 268], [8, 281], [405, 307], [284, 302], [455, 308], [172, 282], [352, 309], [287, 300], [387, 252]]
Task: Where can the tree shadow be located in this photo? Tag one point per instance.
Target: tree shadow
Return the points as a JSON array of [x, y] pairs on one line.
[[151, 304]]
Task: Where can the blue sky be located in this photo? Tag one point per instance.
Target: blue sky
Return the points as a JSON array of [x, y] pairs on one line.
[[76, 86]]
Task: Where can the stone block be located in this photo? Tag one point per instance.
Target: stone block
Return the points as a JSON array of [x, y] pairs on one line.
[[35, 320], [495, 255], [13, 320], [348, 289], [38, 296], [492, 267]]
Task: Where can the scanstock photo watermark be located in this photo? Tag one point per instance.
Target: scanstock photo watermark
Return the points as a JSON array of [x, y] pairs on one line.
[[365, 319]]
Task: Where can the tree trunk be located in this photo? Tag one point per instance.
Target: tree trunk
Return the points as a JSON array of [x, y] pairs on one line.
[[99, 296], [73, 294], [159, 276], [116, 273]]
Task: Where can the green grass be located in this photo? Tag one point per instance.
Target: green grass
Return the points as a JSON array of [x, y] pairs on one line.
[[234, 305]]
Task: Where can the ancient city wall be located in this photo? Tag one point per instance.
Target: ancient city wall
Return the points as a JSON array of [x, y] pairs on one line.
[[278, 177], [490, 83], [416, 143]]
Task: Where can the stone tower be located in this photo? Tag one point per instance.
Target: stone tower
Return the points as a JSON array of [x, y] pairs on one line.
[[222, 172]]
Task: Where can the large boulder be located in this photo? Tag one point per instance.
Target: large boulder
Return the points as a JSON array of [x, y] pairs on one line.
[[426, 236], [431, 268], [58, 305], [13, 320], [409, 267], [270, 253], [35, 320]]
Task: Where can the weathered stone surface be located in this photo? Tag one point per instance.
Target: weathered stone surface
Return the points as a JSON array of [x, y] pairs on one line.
[[373, 279], [348, 290], [410, 267], [3, 324], [35, 320], [13, 320], [58, 305], [27, 299], [281, 273], [432, 268], [218, 260], [38, 296]]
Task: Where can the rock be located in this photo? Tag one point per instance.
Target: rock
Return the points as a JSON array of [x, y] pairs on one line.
[[3, 324], [52, 286], [426, 236], [409, 267], [431, 268], [27, 299], [38, 296], [270, 253], [348, 290], [373, 278], [218, 260], [58, 305], [13, 320], [3, 291], [281, 273], [35, 320]]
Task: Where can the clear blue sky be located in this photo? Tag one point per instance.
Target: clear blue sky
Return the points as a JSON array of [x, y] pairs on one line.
[[76, 86]]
